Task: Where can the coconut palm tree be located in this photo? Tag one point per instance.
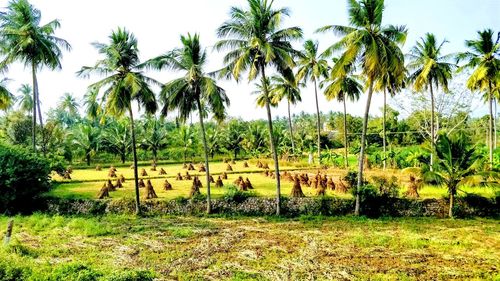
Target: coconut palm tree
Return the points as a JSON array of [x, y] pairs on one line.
[[6, 97], [458, 164], [430, 70], [25, 98], [69, 104], [483, 58], [87, 138], [194, 91], [285, 88], [25, 40], [312, 67], [154, 136], [342, 88], [376, 47], [124, 83], [91, 103], [256, 41]]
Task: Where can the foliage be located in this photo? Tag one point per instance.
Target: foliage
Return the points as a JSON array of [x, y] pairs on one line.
[[23, 178]]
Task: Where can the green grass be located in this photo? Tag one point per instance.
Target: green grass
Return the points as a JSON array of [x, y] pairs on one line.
[[187, 248], [86, 183]]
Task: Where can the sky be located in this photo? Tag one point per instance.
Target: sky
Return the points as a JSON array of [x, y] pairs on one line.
[[158, 24]]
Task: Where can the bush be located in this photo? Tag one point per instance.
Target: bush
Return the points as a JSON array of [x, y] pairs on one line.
[[233, 194], [23, 178]]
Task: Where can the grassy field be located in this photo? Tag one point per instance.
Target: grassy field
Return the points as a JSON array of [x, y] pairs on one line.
[[308, 248], [86, 183]]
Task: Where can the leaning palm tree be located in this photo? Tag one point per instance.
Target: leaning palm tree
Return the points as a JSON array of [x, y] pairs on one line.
[[286, 88], [376, 47], [25, 98], [483, 57], [124, 83], [342, 88], [25, 40], [312, 67], [194, 91], [429, 69], [6, 97], [257, 42]]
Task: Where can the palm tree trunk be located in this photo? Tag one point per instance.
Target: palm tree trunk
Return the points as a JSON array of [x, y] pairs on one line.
[[33, 72], [383, 130], [362, 151], [452, 201], [318, 125], [495, 124], [273, 145], [134, 152], [490, 100], [205, 146], [346, 160], [44, 144], [291, 129], [433, 133]]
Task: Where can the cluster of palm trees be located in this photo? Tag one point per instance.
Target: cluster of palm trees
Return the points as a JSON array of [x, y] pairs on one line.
[[368, 57]]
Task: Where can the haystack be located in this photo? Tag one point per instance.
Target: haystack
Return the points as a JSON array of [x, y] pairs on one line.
[[153, 168], [341, 187], [184, 166], [272, 175], [225, 160], [122, 178], [259, 164], [265, 166], [238, 180], [219, 182], [249, 184], [98, 168], [211, 179], [224, 176], [167, 185], [178, 177], [331, 184], [118, 183], [297, 189], [265, 173], [150, 192], [190, 167], [144, 173], [413, 187], [112, 168], [110, 186], [69, 169], [187, 176], [162, 172], [245, 164], [195, 189], [103, 193], [111, 174], [229, 168], [66, 175], [202, 169], [141, 183], [243, 186], [233, 162]]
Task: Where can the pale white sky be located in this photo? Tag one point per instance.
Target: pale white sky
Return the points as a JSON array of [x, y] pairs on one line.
[[158, 24]]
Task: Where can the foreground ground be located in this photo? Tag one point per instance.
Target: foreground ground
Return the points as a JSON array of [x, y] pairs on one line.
[[312, 248]]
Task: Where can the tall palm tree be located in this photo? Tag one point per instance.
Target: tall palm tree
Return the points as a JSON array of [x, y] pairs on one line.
[[6, 97], [25, 40], [342, 88], [285, 88], [483, 57], [256, 42], [376, 47], [429, 69], [124, 83], [195, 91], [25, 98], [312, 67]]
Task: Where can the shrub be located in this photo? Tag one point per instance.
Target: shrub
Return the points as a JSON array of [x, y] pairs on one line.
[[233, 194], [23, 178]]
